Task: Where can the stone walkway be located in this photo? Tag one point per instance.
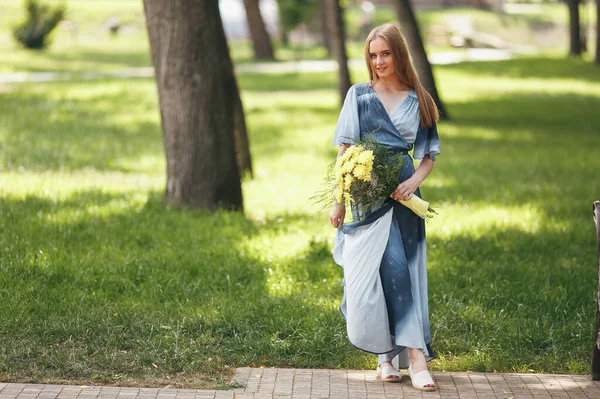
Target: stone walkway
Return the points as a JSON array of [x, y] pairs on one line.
[[449, 57], [259, 383]]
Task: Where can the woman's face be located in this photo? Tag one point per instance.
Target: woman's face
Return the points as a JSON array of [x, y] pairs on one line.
[[382, 61]]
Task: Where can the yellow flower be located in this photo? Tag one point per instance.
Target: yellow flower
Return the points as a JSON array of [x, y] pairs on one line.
[[338, 195], [348, 180], [362, 172], [352, 151], [339, 176], [347, 197], [348, 166], [366, 157]]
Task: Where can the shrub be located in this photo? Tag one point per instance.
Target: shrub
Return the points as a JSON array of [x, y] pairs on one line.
[[40, 21]]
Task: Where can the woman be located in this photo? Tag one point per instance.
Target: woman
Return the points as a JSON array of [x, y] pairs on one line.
[[383, 252]]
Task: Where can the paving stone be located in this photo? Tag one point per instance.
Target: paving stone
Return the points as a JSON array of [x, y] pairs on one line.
[[261, 383]]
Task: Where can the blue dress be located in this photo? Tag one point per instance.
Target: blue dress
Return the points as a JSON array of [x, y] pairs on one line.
[[383, 253]]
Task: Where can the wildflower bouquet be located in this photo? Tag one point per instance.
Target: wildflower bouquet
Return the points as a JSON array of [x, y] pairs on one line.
[[365, 175]]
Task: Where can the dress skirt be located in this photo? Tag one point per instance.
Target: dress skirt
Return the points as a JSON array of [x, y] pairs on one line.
[[383, 256]]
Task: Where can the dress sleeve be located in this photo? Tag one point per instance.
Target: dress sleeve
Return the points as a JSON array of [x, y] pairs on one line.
[[427, 142], [347, 130]]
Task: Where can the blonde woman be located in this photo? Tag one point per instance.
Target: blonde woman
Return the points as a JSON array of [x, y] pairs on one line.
[[383, 251]]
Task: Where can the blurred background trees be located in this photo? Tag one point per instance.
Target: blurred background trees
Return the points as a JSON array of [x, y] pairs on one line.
[[40, 20]]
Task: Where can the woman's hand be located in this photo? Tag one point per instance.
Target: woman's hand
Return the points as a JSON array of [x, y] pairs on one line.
[[405, 190], [337, 215]]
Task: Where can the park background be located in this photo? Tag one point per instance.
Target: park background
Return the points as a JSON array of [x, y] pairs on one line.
[[101, 283]]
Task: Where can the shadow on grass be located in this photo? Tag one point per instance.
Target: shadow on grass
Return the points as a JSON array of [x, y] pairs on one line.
[[90, 289]]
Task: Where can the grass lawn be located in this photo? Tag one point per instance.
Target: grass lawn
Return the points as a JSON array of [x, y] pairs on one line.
[[99, 283]]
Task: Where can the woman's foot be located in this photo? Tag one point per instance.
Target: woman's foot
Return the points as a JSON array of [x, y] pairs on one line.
[[419, 375], [388, 373]]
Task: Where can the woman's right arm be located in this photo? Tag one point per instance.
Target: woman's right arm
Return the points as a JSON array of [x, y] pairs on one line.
[[338, 211]]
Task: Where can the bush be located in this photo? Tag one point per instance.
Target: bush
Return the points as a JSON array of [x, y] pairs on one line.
[[40, 21]]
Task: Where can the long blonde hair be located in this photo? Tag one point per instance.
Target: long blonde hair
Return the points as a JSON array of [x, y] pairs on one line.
[[404, 69]]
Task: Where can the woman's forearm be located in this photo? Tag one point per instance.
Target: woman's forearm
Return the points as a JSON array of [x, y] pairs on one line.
[[423, 169]]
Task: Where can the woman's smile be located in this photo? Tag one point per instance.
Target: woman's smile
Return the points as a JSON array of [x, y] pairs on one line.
[[381, 57]]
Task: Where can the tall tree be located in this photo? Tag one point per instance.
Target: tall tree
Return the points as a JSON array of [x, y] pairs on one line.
[[240, 135], [597, 55], [322, 15], [410, 30], [574, 27], [258, 31], [337, 36], [196, 91]]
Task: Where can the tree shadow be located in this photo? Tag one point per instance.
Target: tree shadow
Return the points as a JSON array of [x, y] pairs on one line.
[[116, 287]]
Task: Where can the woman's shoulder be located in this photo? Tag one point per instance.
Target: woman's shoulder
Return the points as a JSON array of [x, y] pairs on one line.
[[360, 88]]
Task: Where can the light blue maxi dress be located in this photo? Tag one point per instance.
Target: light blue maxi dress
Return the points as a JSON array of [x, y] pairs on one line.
[[383, 253]]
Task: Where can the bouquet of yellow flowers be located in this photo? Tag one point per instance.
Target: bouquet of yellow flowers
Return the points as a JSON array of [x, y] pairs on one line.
[[365, 175]]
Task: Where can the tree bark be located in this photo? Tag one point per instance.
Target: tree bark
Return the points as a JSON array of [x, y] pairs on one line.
[[258, 31], [337, 37], [324, 28], [196, 91], [240, 134], [410, 30], [574, 28], [596, 352], [597, 55]]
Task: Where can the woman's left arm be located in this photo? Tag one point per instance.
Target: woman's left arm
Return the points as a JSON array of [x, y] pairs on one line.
[[407, 188]]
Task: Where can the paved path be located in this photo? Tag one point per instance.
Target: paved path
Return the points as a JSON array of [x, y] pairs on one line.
[[261, 383], [450, 57]]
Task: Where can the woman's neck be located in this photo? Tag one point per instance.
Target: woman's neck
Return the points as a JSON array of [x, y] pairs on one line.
[[391, 84]]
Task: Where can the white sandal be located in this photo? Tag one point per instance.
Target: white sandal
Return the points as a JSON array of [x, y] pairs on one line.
[[421, 379], [388, 374]]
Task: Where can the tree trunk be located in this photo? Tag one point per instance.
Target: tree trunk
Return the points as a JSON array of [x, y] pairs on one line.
[[324, 28], [196, 91], [258, 31], [596, 352], [410, 30], [240, 132], [597, 55], [337, 37], [574, 27]]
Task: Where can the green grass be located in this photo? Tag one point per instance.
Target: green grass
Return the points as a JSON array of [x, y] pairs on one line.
[[99, 283]]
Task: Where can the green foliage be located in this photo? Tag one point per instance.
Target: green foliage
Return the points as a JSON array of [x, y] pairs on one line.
[[41, 19], [295, 12]]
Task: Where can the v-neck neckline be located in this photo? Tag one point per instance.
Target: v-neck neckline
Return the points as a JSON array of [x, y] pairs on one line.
[[395, 109], [381, 109]]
